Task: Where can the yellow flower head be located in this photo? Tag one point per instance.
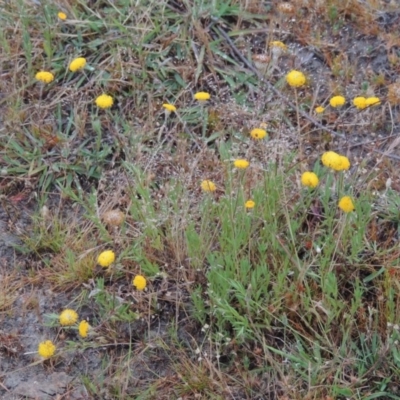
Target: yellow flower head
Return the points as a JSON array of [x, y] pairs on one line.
[[83, 328], [104, 101], [309, 179], [346, 204], [46, 349], [319, 109], [62, 16], [169, 107], [241, 164], [139, 282], [202, 96], [360, 102], [208, 186], [277, 43], [106, 258], [330, 159], [337, 101], [44, 76], [258, 133], [343, 163], [295, 78], [68, 317], [77, 64], [372, 101], [249, 204]]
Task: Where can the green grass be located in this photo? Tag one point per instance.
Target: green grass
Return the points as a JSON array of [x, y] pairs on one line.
[[290, 299]]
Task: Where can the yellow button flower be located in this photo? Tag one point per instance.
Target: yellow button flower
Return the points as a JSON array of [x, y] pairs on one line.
[[330, 159], [139, 282], [62, 16], [77, 64], [372, 101], [319, 109], [46, 349], [337, 101], [68, 317], [83, 328], [208, 186], [106, 258], [241, 164], [277, 43], [169, 107], [343, 163], [346, 204], [258, 133], [104, 101], [249, 204], [44, 76], [360, 102], [295, 78], [309, 179], [202, 96]]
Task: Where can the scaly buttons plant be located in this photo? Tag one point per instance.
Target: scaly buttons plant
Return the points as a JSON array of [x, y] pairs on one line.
[[295, 78], [258, 133], [360, 102], [104, 101], [372, 101], [202, 96], [83, 328], [346, 204], [46, 349], [319, 109], [139, 282], [249, 204], [44, 76], [169, 107], [208, 186], [68, 317], [62, 16], [106, 258], [337, 101], [309, 179], [77, 64], [241, 164]]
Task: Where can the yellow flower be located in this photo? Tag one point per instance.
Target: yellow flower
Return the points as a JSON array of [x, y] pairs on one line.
[[319, 109], [249, 204], [44, 76], [84, 328], [343, 163], [208, 186], [337, 101], [330, 159], [346, 204], [106, 258], [309, 179], [104, 101], [360, 102], [169, 107], [139, 282], [241, 164], [46, 349], [277, 43], [202, 96], [295, 78], [62, 16], [372, 101], [258, 133], [68, 317], [77, 64]]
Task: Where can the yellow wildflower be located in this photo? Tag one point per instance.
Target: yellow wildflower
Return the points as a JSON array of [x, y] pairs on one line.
[[360, 102], [258, 133], [337, 101], [330, 159], [139, 282], [106, 258], [309, 179], [77, 64], [241, 164], [372, 101], [202, 96], [319, 109], [44, 76], [208, 186], [169, 107], [62, 16], [46, 349], [343, 163], [68, 317], [249, 204], [277, 43], [295, 78], [346, 204], [83, 328], [104, 101]]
